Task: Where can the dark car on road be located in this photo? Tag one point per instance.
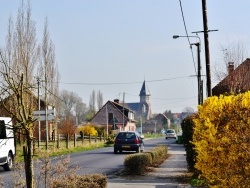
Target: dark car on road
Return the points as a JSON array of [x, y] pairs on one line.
[[128, 141]]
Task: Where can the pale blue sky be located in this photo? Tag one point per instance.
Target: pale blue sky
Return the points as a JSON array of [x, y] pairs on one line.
[[125, 41]]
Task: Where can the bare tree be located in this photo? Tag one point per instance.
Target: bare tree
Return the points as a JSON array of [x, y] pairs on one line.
[[72, 106], [80, 110], [99, 100], [235, 52], [22, 51], [48, 69], [17, 70], [19, 62], [17, 101], [69, 102], [92, 100]]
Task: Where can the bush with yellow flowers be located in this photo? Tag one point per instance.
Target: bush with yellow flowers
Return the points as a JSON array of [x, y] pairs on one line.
[[88, 130], [222, 140]]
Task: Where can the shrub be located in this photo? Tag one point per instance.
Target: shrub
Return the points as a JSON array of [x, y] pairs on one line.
[[88, 130], [137, 163], [84, 181], [159, 154], [187, 126], [221, 138], [110, 139]]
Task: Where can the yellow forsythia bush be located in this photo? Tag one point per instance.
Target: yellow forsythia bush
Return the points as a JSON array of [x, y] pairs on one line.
[[222, 140], [88, 130]]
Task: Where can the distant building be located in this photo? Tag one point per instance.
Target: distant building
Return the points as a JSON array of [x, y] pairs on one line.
[[156, 124], [121, 116], [115, 116], [142, 108]]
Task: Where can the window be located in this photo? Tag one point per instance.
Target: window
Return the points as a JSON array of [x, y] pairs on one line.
[[2, 130], [126, 136], [111, 118], [170, 131]]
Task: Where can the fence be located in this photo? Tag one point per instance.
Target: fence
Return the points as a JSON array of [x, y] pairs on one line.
[[67, 141]]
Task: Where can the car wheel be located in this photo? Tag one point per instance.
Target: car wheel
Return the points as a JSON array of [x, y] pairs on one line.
[[120, 151], [166, 137], [9, 165]]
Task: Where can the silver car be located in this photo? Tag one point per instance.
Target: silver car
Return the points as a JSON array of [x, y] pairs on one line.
[[170, 133]]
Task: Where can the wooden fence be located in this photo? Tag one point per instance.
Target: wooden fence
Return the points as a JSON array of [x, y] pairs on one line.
[[63, 140]]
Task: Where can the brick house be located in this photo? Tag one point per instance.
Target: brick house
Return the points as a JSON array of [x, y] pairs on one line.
[[237, 80], [116, 116], [51, 124]]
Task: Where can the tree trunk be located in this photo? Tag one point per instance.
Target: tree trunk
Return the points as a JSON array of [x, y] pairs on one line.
[[29, 171]]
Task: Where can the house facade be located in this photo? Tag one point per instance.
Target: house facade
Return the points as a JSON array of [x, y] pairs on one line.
[[39, 127], [237, 80], [115, 116]]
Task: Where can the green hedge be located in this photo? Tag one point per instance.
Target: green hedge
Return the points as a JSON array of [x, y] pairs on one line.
[[137, 164], [187, 126]]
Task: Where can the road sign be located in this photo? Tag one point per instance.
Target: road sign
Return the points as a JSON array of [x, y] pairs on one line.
[[41, 115], [42, 118], [43, 112]]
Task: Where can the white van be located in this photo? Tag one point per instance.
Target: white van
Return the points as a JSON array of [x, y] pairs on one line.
[[7, 145]]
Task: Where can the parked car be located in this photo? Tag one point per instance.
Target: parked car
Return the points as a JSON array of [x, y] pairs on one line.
[[128, 141], [170, 133]]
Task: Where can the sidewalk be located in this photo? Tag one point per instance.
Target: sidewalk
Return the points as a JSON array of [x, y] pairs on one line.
[[172, 173]]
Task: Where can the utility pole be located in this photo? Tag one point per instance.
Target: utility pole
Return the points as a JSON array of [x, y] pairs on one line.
[[206, 42], [39, 124], [46, 115], [123, 111], [107, 121]]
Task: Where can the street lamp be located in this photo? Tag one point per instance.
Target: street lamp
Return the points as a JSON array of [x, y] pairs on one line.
[[200, 88]]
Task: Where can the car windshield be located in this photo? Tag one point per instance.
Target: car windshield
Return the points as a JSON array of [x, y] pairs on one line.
[[170, 131], [126, 136]]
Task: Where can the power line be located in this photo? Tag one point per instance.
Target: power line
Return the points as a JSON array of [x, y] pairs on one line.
[[181, 98], [122, 83], [182, 13]]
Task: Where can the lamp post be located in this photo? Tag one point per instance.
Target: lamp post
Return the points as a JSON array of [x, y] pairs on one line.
[[200, 101], [141, 125], [200, 88]]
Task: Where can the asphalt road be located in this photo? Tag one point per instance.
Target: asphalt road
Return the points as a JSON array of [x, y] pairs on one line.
[[101, 160]]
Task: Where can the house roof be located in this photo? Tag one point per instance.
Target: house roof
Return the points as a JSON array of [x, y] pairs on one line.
[[133, 106], [121, 107], [237, 81], [160, 115], [122, 111]]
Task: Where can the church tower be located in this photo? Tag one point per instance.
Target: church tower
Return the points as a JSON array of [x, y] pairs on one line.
[[145, 105]]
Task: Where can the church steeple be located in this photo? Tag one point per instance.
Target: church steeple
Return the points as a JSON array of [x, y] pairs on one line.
[[145, 106], [144, 91]]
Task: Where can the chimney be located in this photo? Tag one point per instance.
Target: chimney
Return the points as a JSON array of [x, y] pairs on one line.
[[230, 67], [116, 101]]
